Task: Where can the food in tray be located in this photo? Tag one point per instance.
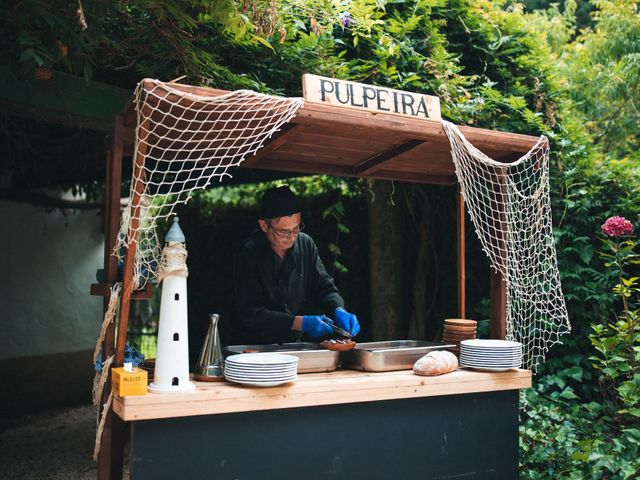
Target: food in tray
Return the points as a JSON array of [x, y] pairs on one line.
[[435, 363], [338, 344]]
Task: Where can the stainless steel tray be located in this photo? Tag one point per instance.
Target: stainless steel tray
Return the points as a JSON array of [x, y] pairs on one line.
[[311, 356], [387, 356]]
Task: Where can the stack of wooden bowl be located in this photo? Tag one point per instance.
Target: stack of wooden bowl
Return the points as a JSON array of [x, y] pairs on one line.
[[458, 329]]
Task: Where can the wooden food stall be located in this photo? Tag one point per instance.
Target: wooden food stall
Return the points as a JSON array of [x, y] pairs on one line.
[[342, 424]]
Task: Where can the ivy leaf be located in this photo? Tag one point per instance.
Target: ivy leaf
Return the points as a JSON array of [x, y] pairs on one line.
[[568, 394]]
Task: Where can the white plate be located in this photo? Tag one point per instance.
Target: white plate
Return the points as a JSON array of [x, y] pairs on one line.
[[490, 362], [490, 349], [491, 354], [227, 373], [263, 384], [232, 368], [262, 359], [485, 343], [490, 365], [491, 369], [261, 380], [492, 358], [485, 353]]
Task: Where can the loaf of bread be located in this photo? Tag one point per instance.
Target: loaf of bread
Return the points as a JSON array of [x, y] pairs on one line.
[[436, 363]]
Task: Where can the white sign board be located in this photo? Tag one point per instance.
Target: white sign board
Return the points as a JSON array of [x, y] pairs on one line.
[[342, 93]]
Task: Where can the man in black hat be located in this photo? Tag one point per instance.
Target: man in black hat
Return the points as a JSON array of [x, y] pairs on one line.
[[282, 289]]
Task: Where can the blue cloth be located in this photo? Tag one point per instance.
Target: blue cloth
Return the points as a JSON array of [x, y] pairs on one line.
[[130, 355]]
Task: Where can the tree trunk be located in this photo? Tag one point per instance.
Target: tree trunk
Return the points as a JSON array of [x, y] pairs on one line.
[[386, 262]]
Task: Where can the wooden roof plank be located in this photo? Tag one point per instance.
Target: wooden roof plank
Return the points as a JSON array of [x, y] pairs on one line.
[[288, 132], [377, 161]]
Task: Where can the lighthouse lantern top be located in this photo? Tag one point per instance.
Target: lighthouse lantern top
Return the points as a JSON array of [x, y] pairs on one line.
[[175, 233]]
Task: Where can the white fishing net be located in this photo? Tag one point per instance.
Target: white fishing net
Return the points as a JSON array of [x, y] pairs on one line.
[[188, 141], [510, 208]]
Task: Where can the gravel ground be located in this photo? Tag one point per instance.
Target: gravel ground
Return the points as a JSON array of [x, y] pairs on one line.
[[55, 445]]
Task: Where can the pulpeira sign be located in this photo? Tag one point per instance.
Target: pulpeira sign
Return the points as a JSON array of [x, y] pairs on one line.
[[342, 93]]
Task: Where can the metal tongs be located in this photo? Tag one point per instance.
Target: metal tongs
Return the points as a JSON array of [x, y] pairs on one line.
[[336, 329]]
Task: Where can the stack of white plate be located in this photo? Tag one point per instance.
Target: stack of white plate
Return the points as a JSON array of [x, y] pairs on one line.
[[261, 369], [490, 355]]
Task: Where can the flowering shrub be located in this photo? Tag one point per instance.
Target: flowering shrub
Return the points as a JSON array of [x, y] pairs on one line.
[[618, 343]]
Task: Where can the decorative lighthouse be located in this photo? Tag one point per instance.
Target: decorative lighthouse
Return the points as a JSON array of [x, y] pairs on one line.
[[171, 374]]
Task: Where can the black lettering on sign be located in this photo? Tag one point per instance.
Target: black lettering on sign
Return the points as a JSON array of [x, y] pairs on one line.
[[368, 93], [324, 85], [337, 90], [382, 98], [395, 102], [407, 102], [422, 108], [353, 97]]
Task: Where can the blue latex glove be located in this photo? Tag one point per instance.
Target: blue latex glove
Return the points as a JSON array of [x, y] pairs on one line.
[[347, 320], [316, 325]]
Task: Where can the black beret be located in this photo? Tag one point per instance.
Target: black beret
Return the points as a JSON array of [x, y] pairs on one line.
[[279, 202]]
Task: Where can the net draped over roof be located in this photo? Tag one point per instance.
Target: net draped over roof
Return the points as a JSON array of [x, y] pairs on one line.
[[510, 208], [185, 142]]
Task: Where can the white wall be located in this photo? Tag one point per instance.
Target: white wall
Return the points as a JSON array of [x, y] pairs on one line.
[[48, 260]]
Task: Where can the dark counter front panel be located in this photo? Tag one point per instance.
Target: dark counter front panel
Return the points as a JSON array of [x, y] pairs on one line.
[[472, 436]]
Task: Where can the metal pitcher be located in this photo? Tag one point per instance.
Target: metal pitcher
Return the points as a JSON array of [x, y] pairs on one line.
[[210, 362]]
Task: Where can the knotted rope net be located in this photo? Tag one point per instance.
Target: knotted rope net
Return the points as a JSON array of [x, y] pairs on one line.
[[510, 208], [185, 141]]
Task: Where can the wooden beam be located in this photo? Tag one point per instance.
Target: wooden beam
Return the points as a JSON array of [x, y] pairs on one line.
[[104, 290], [432, 130], [377, 161], [288, 132], [127, 273], [302, 167], [416, 177], [498, 308], [462, 274], [110, 458], [342, 170]]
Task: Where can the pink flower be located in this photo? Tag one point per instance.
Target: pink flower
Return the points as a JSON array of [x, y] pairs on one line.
[[617, 226]]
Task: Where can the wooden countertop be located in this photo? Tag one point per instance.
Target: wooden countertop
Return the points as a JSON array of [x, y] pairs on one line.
[[312, 389]]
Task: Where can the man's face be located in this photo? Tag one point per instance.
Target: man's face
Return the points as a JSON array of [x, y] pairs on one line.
[[281, 232]]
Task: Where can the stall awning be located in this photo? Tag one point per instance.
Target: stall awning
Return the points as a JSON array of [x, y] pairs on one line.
[[324, 139]]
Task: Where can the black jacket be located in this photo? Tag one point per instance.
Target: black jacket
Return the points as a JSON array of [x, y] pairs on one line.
[[270, 291]]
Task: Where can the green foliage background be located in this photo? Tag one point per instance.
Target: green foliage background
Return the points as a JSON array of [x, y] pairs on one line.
[[570, 71]]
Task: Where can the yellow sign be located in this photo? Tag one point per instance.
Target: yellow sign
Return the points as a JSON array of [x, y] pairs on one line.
[[342, 93]]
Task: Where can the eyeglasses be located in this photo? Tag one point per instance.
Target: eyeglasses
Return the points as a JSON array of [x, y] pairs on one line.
[[283, 232]]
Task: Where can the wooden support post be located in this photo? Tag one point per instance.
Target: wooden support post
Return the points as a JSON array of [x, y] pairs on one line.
[[462, 273], [112, 446], [127, 272], [498, 312]]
